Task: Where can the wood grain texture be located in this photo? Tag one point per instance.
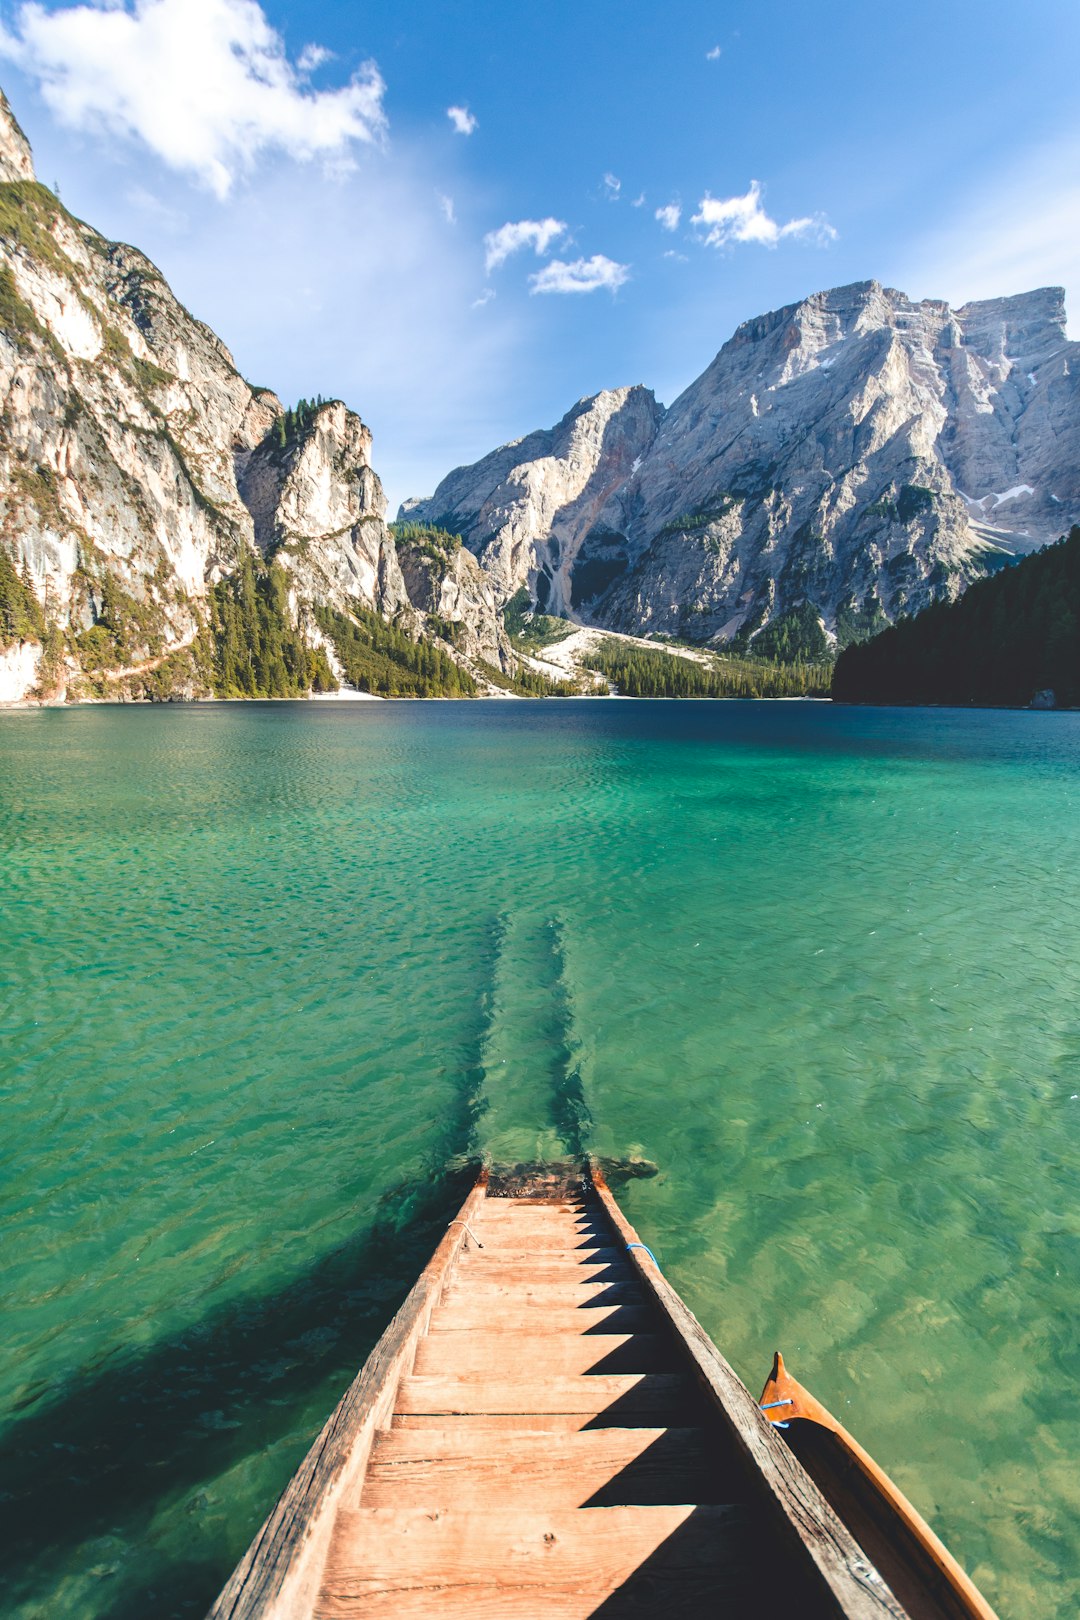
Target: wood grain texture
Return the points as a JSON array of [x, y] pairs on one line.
[[640, 1392], [486, 1355], [476, 1316], [531, 1468], [494, 1295], [413, 1562]]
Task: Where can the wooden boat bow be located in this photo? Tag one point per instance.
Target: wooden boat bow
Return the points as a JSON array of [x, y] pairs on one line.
[[916, 1561]]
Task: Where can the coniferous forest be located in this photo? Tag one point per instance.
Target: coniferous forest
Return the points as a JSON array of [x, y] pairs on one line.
[[640, 672], [1007, 639]]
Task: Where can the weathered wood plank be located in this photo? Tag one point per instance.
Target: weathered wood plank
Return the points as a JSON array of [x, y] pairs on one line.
[[486, 1355], [573, 1291], [479, 1317], [517, 1252], [443, 1468], [411, 1563], [631, 1392], [799, 1510], [279, 1576]]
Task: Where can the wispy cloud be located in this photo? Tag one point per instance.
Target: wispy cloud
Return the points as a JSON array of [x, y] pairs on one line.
[[714, 55], [612, 187], [446, 208], [670, 215], [173, 220], [581, 276], [463, 120], [722, 221], [206, 84], [639, 201], [539, 234], [485, 298], [313, 57]]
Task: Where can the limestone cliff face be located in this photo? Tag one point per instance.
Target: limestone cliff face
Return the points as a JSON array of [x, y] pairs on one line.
[[137, 466], [16, 158], [525, 510], [856, 452]]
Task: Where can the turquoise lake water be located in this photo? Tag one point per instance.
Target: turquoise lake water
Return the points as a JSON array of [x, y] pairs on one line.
[[270, 972]]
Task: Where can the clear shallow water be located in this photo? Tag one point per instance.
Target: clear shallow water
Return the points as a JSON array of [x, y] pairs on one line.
[[266, 970]]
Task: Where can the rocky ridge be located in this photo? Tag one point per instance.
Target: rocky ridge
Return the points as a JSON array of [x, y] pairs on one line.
[[850, 457], [138, 469]]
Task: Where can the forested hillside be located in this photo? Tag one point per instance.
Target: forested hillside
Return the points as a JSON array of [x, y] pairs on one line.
[[1006, 640]]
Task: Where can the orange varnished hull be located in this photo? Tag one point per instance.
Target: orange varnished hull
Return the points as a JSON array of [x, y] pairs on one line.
[[918, 1566]]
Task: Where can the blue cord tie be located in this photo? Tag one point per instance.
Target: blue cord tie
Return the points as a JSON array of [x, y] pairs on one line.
[[767, 1406], [648, 1251]]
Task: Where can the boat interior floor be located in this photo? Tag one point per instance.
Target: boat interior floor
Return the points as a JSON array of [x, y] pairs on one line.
[[547, 1456]]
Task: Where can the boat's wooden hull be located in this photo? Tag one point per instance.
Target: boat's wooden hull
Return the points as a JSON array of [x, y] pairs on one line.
[[918, 1566]]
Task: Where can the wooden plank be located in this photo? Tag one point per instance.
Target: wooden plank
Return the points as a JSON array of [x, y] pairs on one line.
[[527, 1261], [570, 1292], [553, 1206], [798, 1509], [409, 1563], [479, 1316], [541, 1215], [555, 1421], [542, 1271], [279, 1575], [631, 1392], [486, 1355], [442, 1468]]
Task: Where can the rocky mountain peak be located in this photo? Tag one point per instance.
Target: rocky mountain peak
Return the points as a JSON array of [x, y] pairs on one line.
[[525, 509], [139, 473], [16, 158], [842, 460]]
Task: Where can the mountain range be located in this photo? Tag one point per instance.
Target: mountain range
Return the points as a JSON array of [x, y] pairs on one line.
[[168, 529], [851, 457]]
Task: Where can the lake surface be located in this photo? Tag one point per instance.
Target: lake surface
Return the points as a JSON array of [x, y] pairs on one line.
[[270, 972]]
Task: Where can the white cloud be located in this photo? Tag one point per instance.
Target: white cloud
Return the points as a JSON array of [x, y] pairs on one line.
[[639, 201], [205, 83], [446, 208], [723, 220], [539, 234], [485, 298], [612, 187], [714, 55], [582, 276], [313, 57], [670, 215], [462, 119]]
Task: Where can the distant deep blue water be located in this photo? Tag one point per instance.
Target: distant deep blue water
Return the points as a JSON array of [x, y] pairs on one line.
[[267, 970]]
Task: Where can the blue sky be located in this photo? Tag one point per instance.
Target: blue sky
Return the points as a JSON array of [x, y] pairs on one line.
[[666, 171]]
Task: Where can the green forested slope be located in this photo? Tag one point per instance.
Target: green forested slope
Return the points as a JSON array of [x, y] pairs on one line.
[[640, 672], [1006, 639]]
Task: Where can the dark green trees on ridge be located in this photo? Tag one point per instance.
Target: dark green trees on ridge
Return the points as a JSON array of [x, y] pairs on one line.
[[1006, 639]]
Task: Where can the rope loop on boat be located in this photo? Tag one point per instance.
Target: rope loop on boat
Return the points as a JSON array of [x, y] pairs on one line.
[[647, 1250], [468, 1231], [767, 1406]]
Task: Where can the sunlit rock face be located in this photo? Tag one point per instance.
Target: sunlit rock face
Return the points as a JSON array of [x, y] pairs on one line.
[[526, 509], [137, 466], [856, 453]]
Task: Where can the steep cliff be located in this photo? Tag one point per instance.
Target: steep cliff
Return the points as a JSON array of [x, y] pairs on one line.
[[841, 461], [525, 510], [138, 470]]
